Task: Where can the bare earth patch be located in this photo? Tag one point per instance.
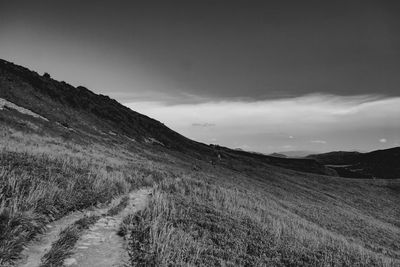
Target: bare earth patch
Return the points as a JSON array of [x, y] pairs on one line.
[[100, 245], [8, 104], [33, 253]]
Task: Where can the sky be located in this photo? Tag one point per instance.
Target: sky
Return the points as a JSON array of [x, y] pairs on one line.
[[264, 76]]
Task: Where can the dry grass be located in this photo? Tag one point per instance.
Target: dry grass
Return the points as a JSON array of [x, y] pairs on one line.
[[44, 178], [36, 189], [256, 215], [192, 221]]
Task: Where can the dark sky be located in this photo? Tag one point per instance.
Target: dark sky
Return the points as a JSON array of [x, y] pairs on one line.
[[188, 52], [249, 49]]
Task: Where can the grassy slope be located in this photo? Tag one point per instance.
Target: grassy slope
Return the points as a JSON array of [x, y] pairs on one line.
[[256, 214], [277, 218], [43, 178]]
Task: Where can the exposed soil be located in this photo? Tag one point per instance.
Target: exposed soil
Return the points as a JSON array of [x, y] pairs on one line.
[[100, 245]]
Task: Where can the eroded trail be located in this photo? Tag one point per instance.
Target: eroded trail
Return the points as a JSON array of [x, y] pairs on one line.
[[33, 253], [100, 245]]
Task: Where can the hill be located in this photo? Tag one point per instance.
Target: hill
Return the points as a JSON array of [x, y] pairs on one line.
[[65, 149], [98, 115], [79, 113], [375, 164], [296, 153], [278, 155]]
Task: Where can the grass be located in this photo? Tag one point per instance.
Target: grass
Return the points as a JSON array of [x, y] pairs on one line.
[[238, 213], [205, 222], [62, 248], [118, 208], [35, 190], [44, 178]]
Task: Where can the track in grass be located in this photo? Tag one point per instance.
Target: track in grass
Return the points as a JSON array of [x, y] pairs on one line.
[[100, 245], [33, 254]]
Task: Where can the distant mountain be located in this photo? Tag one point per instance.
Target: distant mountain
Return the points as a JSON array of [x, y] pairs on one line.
[[296, 153], [297, 164], [376, 164], [278, 155], [337, 157]]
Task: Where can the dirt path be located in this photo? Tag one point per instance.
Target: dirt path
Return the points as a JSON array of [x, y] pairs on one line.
[[100, 246], [36, 249], [32, 254]]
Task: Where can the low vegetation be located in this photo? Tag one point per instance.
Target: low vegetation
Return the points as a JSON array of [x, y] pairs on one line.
[[192, 221], [254, 215], [42, 184], [119, 207]]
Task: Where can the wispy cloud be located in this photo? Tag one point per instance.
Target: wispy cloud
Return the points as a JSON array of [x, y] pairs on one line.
[[206, 124], [270, 123], [318, 141]]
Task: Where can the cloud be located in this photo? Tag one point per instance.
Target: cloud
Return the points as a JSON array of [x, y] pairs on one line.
[[288, 147], [206, 124], [383, 140], [318, 141], [349, 122]]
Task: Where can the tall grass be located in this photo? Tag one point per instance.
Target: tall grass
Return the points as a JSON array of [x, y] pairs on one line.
[[36, 189], [43, 179], [256, 215], [194, 222]]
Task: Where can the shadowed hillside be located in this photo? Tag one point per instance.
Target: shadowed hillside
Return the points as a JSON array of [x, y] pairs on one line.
[[375, 164], [79, 113], [98, 114]]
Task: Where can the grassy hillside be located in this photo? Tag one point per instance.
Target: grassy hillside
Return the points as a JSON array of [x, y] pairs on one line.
[[244, 210], [43, 179], [272, 219]]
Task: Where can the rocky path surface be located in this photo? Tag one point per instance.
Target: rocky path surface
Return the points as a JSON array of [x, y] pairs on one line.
[[100, 245], [32, 254]]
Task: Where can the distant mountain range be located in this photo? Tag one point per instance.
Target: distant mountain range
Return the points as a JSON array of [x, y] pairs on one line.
[[278, 155], [376, 164], [296, 153]]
